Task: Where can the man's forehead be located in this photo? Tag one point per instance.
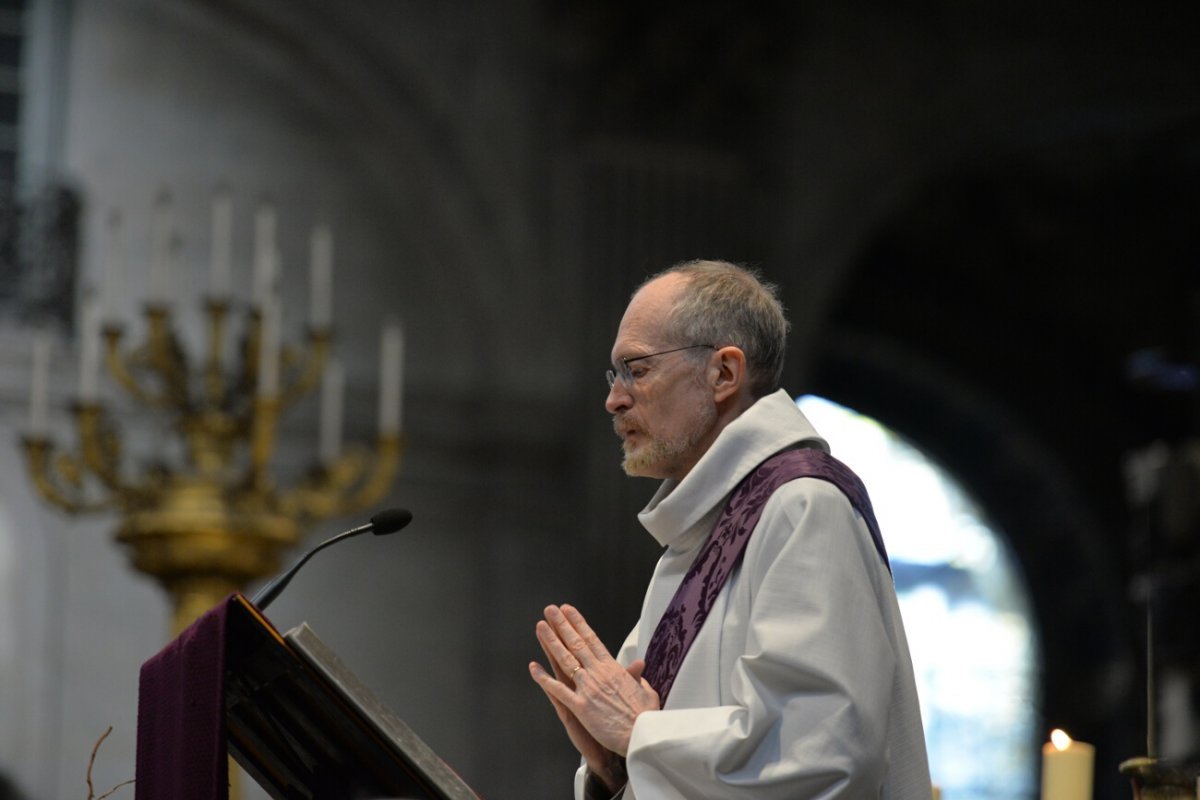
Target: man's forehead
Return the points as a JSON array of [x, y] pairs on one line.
[[629, 344], [644, 324], [637, 334], [622, 354]]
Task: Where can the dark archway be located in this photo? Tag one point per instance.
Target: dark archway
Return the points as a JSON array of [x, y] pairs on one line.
[[992, 322]]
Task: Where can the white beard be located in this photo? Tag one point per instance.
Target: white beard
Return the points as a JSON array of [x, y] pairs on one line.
[[657, 457]]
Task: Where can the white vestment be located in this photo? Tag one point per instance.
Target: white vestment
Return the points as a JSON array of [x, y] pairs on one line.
[[799, 684]]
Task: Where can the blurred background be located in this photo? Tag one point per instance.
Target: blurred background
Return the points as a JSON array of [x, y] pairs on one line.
[[985, 220]]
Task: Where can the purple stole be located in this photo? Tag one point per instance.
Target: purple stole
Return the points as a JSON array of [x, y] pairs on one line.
[[723, 551], [181, 748]]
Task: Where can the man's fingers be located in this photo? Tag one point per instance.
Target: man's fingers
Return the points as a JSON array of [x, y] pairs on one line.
[[558, 651], [585, 632], [541, 677], [550, 657], [565, 715], [579, 649], [566, 667], [559, 694]]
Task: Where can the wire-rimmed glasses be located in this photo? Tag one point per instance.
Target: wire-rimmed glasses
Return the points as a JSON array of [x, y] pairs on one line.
[[626, 374]]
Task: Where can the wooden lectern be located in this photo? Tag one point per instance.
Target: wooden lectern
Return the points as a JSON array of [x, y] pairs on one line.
[[303, 726]]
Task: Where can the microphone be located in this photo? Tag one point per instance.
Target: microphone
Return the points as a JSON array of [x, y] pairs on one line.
[[385, 522]]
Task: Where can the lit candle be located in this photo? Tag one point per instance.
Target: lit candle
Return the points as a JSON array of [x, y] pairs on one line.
[[221, 266], [391, 372], [320, 312], [265, 255], [268, 348], [39, 383], [89, 346], [330, 431], [160, 253], [1067, 768], [111, 268]]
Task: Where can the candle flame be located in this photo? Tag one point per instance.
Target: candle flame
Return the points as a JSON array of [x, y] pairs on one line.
[[1060, 739]]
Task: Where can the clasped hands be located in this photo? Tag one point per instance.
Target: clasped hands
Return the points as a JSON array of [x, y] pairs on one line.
[[597, 700]]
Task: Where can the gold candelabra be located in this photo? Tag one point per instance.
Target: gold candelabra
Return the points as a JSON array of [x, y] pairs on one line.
[[215, 520]]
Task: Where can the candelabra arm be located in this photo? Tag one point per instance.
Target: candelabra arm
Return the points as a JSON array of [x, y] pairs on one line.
[[318, 354], [98, 444], [387, 460], [262, 441], [320, 494], [353, 483], [118, 367], [164, 356], [48, 473]]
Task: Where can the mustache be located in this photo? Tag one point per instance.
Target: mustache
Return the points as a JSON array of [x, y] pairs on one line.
[[623, 425]]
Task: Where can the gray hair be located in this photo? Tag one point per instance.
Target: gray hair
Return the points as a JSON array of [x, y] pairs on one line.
[[727, 304]]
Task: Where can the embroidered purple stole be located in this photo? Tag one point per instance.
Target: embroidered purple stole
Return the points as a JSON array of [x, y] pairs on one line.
[[723, 551]]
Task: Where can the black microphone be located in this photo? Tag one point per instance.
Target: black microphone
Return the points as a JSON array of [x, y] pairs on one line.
[[384, 522]]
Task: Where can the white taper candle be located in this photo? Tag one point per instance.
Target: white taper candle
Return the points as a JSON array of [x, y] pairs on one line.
[[320, 308], [265, 254], [391, 377], [268, 348]]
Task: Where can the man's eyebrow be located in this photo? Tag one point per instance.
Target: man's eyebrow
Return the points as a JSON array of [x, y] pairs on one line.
[[629, 356]]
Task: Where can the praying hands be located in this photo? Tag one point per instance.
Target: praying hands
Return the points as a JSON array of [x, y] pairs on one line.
[[597, 700]]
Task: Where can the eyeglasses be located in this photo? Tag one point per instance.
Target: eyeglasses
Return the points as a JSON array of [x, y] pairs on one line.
[[628, 376]]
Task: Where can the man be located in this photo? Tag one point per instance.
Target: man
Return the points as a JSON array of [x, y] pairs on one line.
[[798, 682]]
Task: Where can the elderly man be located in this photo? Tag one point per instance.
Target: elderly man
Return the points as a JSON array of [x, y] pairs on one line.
[[770, 659]]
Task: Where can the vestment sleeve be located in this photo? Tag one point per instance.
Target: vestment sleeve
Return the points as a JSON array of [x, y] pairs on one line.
[[810, 693]]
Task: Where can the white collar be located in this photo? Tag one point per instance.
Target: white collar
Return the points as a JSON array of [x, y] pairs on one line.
[[678, 515]]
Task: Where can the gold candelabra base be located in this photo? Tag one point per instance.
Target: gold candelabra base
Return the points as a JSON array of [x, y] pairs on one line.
[[199, 551]]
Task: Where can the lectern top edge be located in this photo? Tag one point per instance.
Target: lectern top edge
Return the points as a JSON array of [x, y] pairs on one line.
[[306, 728]]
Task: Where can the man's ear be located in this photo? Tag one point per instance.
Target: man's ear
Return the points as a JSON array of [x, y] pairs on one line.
[[729, 376]]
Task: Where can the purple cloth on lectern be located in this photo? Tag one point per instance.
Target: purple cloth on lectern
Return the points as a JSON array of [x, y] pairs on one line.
[[723, 551], [181, 751]]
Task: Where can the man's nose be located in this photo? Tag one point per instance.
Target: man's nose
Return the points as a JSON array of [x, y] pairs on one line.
[[618, 398]]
